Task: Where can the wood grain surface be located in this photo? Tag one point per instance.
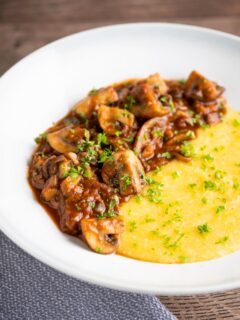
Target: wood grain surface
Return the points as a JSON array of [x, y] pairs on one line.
[[26, 25]]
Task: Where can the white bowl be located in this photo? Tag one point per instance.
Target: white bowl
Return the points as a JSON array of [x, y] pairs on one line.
[[42, 87]]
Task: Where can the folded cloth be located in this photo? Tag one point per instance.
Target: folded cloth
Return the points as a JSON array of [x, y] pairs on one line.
[[30, 290]]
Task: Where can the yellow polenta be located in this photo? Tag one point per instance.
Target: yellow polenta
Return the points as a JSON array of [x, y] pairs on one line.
[[190, 211]]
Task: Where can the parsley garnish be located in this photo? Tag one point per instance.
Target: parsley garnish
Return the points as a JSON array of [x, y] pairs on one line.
[[41, 137], [220, 209], [105, 155], [127, 180], [93, 92], [209, 185], [102, 139], [204, 228], [167, 155], [130, 101], [187, 149]]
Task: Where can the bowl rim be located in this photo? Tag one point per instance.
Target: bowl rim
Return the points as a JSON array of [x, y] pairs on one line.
[[59, 266]]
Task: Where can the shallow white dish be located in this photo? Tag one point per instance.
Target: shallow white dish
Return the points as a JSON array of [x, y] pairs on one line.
[[40, 89]]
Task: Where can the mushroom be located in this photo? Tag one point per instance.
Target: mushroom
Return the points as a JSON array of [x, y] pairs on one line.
[[103, 96], [150, 137], [124, 171], [147, 105], [112, 119], [50, 192], [66, 139], [70, 185], [158, 83], [102, 236], [200, 88]]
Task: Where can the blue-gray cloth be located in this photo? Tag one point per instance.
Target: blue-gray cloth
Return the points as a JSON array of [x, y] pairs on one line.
[[30, 290]]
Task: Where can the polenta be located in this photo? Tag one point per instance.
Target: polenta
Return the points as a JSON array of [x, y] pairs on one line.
[[189, 211]]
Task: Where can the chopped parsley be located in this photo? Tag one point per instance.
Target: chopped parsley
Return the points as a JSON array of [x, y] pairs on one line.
[[138, 198], [93, 92], [190, 134], [209, 185], [220, 209], [102, 139], [236, 123], [204, 200], [127, 180], [130, 102], [175, 174], [158, 133], [204, 228], [187, 149], [132, 226], [208, 157], [222, 240], [41, 137], [167, 155], [106, 154], [192, 185]]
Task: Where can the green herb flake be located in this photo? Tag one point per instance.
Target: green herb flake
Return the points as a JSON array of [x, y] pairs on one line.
[[208, 157], [102, 139], [127, 180], [181, 81], [183, 259], [158, 133], [222, 240], [93, 92], [41, 137], [148, 219], [204, 200], [236, 123], [163, 99], [176, 174], [236, 185], [138, 198], [192, 185], [204, 228], [130, 102], [118, 133], [132, 226], [219, 174], [190, 134], [166, 155], [209, 185], [106, 154], [220, 209], [99, 250], [187, 149]]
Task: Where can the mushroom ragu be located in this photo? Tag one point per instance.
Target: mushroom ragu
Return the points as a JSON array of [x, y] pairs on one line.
[[97, 156]]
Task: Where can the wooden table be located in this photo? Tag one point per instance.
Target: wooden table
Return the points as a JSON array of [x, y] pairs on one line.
[[26, 25]]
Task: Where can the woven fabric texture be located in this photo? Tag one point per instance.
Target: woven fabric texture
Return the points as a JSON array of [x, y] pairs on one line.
[[30, 290]]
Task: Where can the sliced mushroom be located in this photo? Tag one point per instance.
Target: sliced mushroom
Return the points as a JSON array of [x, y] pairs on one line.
[[102, 236], [124, 171], [103, 96], [70, 185], [158, 83], [50, 192], [200, 88], [180, 137], [147, 105], [66, 139], [112, 119], [150, 137]]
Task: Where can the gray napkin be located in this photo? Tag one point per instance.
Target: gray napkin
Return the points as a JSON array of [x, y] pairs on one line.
[[30, 290]]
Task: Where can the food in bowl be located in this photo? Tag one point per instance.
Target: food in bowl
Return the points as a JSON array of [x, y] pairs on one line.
[[103, 166]]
